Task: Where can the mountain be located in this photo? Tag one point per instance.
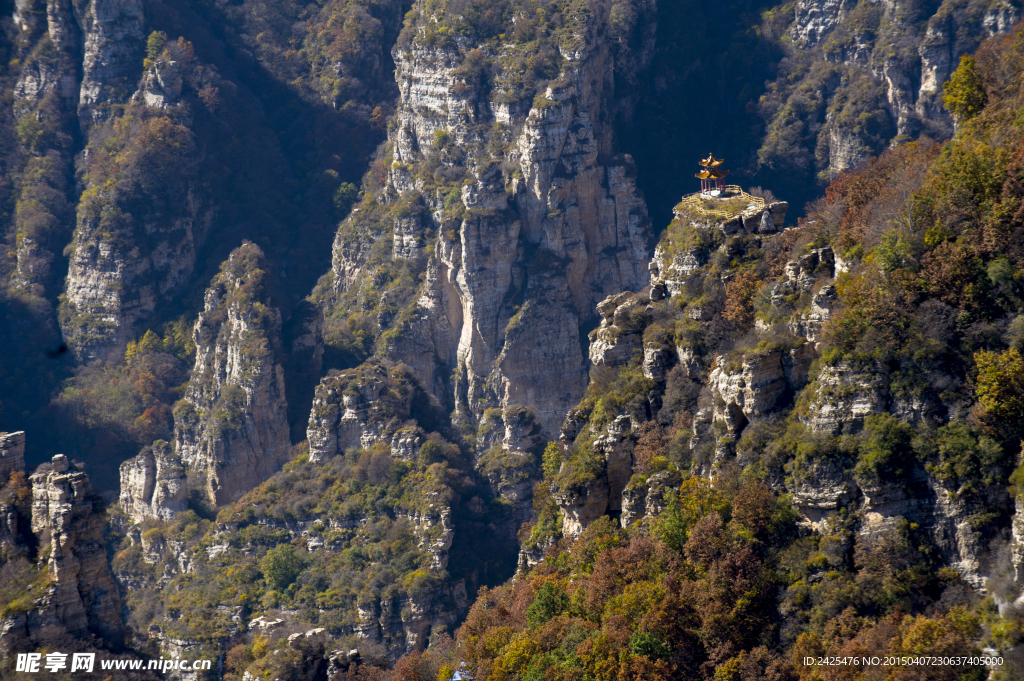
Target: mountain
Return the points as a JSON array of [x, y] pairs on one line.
[[391, 352]]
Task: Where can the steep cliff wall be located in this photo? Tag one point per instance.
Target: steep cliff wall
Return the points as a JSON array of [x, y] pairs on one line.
[[12, 454], [154, 484], [112, 47], [142, 217], [89, 54], [231, 428], [505, 180], [46, 94], [15, 498], [76, 64], [863, 73], [75, 593], [67, 516]]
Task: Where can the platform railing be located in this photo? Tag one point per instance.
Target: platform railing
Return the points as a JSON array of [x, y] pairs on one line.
[[696, 201]]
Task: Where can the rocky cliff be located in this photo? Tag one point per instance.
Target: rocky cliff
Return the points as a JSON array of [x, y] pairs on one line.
[[112, 47], [154, 484], [78, 62], [508, 449], [12, 454], [351, 410], [795, 431], [142, 217], [106, 38], [231, 428], [670, 403], [77, 594], [378, 488], [15, 509], [506, 187], [862, 73]]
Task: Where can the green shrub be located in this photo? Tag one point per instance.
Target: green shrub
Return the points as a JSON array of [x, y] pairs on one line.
[[281, 566], [550, 602], [886, 454]]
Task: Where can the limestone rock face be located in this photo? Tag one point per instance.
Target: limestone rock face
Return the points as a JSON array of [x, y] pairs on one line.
[[405, 623], [120, 270], [56, 519], [231, 429], [511, 445], [47, 87], [901, 53], [78, 62], [66, 515], [823, 489], [810, 324], [845, 150], [518, 269], [161, 85], [102, 40], [948, 514], [1017, 540], [801, 274], [670, 267], [581, 509], [40, 77], [108, 288], [410, 237], [955, 533], [14, 510], [617, 448], [649, 499], [12, 454], [621, 331], [669, 273], [348, 412], [657, 360], [815, 19], [754, 387], [604, 492], [64, 51], [153, 484], [113, 48], [435, 532], [846, 393]]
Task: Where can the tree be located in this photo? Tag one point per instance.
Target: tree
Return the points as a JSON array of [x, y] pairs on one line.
[[1000, 388], [754, 507], [155, 44], [549, 603], [344, 197], [154, 47], [739, 299], [150, 342], [695, 499], [964, 94], [281, 566], [885, 454]]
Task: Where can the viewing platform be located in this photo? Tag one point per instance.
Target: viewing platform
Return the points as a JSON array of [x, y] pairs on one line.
[[720, 204]]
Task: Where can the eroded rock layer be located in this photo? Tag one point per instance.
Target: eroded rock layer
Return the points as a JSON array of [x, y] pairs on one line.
[[78, 595], [231, 428], [536, 220]]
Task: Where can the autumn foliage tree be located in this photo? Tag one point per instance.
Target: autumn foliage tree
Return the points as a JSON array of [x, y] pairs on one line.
[[739, 299], [964, 93], [1000, 390]]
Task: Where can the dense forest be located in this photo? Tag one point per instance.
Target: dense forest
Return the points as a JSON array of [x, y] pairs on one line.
[[369, 339]]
